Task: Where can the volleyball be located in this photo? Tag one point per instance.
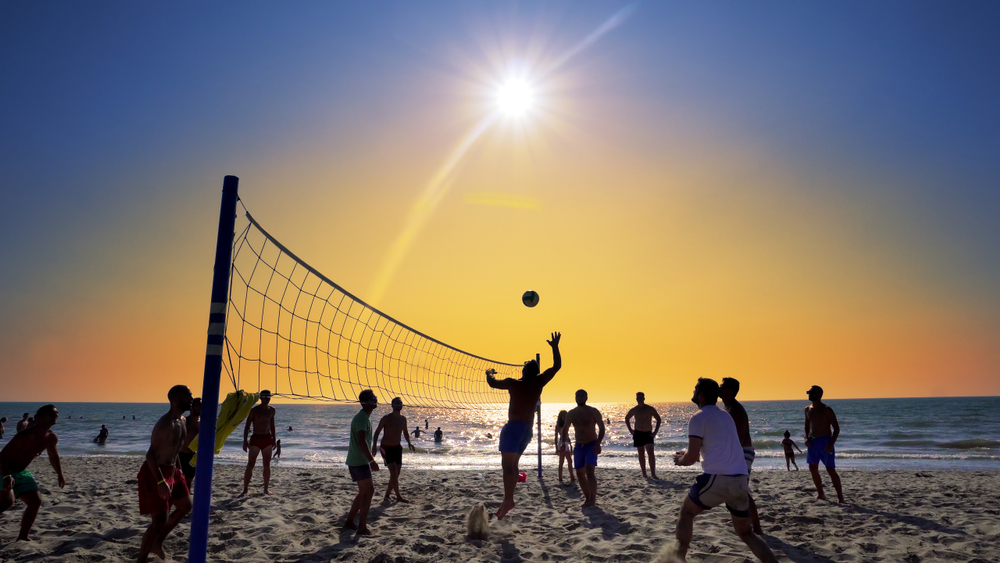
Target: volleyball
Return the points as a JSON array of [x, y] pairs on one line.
[[530, 298]]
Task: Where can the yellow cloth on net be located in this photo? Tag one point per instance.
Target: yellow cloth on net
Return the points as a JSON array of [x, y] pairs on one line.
[[233, 411]]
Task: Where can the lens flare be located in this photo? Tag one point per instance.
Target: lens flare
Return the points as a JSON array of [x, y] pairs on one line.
[[515, 97]]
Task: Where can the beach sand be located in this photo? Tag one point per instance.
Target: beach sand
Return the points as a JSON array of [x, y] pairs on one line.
[[890, 516]]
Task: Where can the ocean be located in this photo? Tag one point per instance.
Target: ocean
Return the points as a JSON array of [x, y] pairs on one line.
[[880, 434]]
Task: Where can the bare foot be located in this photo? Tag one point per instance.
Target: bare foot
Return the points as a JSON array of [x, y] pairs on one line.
[[385, 499], [644, 476], [589, 503], [243, 494], [349, 525], [655, 477], [268, 493], [506, 507], [25, 538], [821, 497], [402, 500], [157, 550], [363, 531], [840, 500]]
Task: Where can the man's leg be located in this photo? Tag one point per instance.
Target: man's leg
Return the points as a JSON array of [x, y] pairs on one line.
[[836, 483], [814, 469], [642, 459], [754, 518], [267, 469], [33, 501], [509, 461], [181, 508], [366, 490], [744, 528], [685, 526], [591, 472], [393, 485], [248, 474], [581, 476], [6, 500], [149, 538], [355, 508], [652, 460]]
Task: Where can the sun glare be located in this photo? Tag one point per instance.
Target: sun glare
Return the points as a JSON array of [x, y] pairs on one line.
[[515, 98]]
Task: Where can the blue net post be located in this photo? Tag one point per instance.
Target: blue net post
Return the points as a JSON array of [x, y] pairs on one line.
[[538, 411], [198, 548]]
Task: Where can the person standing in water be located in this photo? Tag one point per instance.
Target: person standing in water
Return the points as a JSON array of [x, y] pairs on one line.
[[821, 431], [261, 419], [391, 448], [516, 434], [18, 482], [643, 434]]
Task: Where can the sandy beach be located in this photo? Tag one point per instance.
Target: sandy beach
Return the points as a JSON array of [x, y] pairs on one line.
[[890, 516]]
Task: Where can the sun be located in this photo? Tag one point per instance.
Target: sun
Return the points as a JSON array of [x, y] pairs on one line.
[[515, 97]]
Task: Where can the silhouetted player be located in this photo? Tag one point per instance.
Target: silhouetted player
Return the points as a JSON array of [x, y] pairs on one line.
[[15, 457]]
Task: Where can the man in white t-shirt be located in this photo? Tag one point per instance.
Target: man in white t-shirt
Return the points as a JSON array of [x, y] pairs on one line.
[[712, 437]]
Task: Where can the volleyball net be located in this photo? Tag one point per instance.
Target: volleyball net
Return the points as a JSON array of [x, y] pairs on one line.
[[293, 331]]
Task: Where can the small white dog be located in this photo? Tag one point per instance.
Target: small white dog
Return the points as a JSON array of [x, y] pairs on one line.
[[477, 523]]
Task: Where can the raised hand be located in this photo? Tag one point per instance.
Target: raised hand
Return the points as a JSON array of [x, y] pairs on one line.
[[555, 339]]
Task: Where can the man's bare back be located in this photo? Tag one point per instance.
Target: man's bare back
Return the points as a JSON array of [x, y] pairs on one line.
[[393, 425], [643, 418], [739, 414], [192, 425], [167, 439], [585, 420]]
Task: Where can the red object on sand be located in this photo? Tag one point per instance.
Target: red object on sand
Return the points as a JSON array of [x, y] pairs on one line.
[[522, 477]]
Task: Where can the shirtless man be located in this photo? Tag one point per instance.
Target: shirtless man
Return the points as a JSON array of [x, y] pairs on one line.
[[3, 419], [15, 457], [23, 423], [391, 449], [516, 434], [820, 419], [643, 433], [192, 425], [727, 392], [261, 419], [161, 481], [584, 419]]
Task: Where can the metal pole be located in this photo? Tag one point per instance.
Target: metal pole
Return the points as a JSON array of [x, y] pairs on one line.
[[198, 548], [538, 411]]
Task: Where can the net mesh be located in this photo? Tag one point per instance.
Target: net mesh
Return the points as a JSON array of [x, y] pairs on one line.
[[293, 331]]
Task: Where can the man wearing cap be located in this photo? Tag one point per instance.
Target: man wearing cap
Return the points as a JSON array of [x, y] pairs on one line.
[[394, 425], [261, 419], [361, 462], [727, 392], [713, 439], [821, 431]]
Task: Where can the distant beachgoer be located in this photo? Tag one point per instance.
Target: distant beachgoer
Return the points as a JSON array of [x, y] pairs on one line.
[[123, 417], [438, 435], [727, 392], [564, 448], [427, 424], [787, 443], [391, 448], [608, 421], [193, 426], [289, 428], [516, 434], [23, 423], [277, 449], [416, 432], [588, 430], [643, 434], [712, 436], [102, 436], [820, 420], [361, 462], [261, 419], [2, 429], [31, 420], [15, 457], [161, 481], [133, 417]]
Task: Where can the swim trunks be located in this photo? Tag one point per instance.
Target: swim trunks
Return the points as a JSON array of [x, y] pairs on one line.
[[24, 482], [186, 466], [640, 438], [261, 441], [149, 494], [789, 455], [816, 452], [393, 454], [584, 454], [749, 454], [360, 472], [515, 436], [712, 490]]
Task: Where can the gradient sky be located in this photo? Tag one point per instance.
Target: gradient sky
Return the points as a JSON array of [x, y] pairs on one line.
[[787, 193]]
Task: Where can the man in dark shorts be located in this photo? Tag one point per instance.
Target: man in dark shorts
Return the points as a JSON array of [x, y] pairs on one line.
[[516, 434], [15, 457], [361, 463], [261, 419], [727, 392], [585, 419], [391, 448], [193, 426], [713, 439], [643, 434], [821, 431], [161, 481], [23, 423]]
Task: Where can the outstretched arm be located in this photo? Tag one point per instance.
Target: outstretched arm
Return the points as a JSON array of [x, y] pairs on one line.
[[378, 430], [498, 383], [54, 460], [548, 374], [406, 434]]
